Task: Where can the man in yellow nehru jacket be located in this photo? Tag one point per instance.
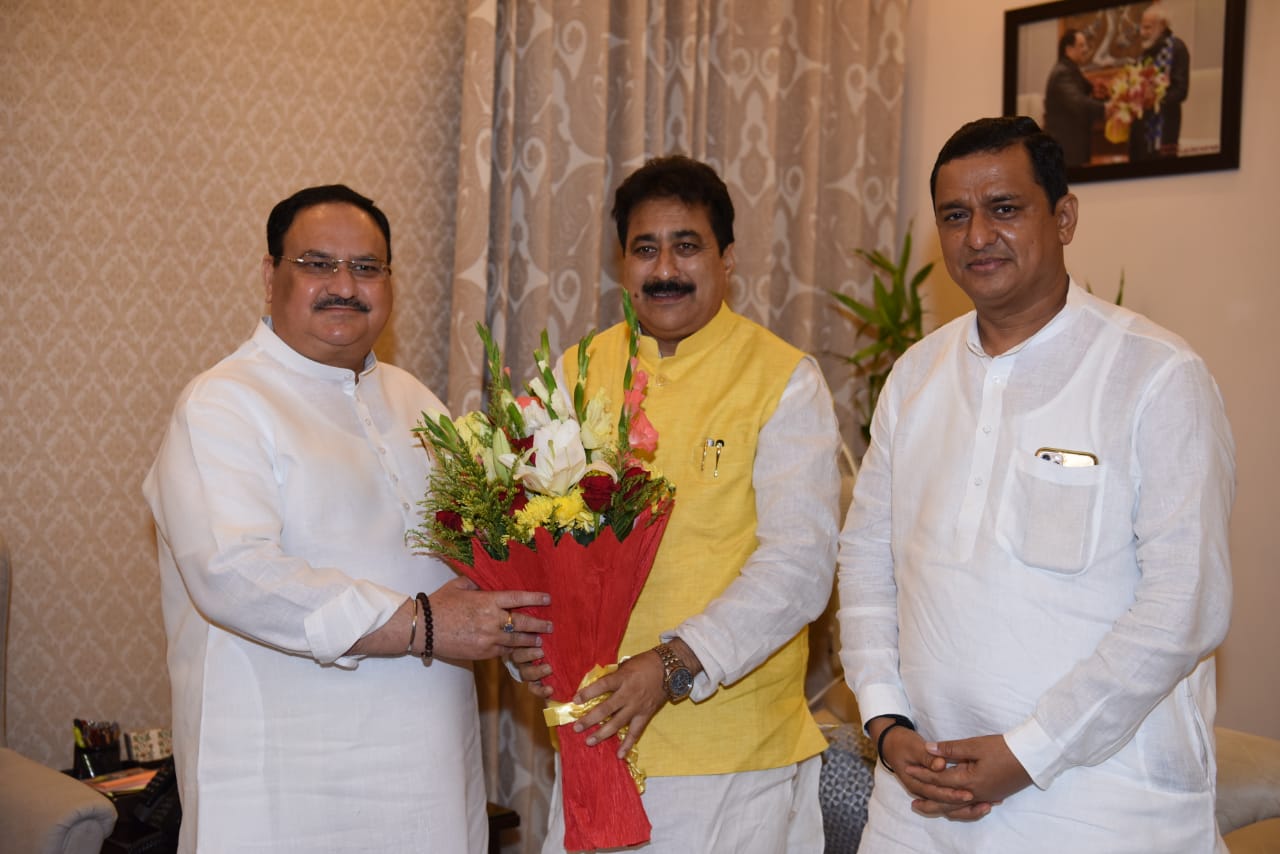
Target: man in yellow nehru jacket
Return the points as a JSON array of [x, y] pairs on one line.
[[713, 688]]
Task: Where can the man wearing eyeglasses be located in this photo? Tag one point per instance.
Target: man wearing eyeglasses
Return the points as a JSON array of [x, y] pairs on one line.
[[318, 704]]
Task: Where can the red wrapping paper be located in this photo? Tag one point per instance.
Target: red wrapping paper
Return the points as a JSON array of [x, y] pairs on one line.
[[593, 589]]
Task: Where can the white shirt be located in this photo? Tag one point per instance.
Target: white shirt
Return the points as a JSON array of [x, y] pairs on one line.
[[282, 494], [1072, 609]]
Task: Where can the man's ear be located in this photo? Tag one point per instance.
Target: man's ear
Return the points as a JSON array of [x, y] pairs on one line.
[[268, 272], [1065, 213], [728, 259]]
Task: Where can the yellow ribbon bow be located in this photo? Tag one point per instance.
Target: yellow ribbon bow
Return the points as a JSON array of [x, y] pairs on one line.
[[560, 714]]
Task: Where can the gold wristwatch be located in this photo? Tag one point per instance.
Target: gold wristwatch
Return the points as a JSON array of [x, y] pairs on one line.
[[677, 681]]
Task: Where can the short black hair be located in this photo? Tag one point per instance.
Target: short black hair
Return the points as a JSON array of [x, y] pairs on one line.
[[676, 177], [1048, 164], [284, 213], [1068, 39]]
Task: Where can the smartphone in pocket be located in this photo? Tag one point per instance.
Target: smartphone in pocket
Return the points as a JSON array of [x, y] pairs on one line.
[[1069, 459]]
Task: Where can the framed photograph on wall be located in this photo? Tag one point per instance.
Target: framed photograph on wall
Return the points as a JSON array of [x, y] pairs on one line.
[[1130, 89]]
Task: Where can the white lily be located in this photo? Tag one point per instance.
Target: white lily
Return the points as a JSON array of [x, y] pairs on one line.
[[560, 461]]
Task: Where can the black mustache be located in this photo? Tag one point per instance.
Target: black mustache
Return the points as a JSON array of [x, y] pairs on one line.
[[664, 287], [341, 302]]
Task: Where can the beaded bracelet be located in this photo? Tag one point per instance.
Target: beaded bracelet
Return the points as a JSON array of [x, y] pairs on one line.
[[428, 630], [898, 721], [413, 628]]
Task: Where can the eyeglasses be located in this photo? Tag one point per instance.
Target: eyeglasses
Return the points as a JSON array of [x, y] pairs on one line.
[[323, 267]]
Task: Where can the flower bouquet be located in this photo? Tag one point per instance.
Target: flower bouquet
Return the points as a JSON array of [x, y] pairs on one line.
[[1134, 89], [549, 492]]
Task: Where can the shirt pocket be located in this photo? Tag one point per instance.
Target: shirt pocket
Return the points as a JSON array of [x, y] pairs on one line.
[[1050, 515]]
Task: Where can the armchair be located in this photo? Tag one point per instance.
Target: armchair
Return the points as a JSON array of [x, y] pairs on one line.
[[43, 811], [1248, 791]]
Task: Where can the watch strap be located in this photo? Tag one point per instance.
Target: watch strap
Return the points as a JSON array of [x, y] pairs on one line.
[[671, 663]]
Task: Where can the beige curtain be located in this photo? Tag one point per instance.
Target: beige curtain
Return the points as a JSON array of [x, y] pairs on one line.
[[797, 104]]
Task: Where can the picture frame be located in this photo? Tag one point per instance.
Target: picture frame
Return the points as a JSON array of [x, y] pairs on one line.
[[1195, 78]]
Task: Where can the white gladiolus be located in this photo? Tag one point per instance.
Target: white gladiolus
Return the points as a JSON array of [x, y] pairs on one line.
[[535, 417]]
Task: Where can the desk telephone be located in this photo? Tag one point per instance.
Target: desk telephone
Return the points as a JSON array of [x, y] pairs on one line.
[[158, 805], [148, 821]]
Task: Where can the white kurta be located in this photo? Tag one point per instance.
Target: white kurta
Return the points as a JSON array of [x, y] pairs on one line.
[[282, 495], [985, 590]]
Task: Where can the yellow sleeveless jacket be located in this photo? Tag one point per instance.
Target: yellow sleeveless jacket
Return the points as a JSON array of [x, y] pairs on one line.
[[708, 403]]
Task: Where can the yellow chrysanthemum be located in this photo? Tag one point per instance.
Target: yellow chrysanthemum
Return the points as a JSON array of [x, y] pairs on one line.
[[535, 514], [572, 512]]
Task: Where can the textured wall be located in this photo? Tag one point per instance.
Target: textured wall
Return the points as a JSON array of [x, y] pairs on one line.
[[143, 145]]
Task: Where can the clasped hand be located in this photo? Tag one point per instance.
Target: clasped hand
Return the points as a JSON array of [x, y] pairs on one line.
[[962, 779]]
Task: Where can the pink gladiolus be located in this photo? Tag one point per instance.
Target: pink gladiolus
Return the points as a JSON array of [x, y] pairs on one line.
[[639, 379], [642, 436], [633, 397]]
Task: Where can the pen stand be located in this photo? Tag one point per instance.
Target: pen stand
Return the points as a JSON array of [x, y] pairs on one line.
[[92, 761]]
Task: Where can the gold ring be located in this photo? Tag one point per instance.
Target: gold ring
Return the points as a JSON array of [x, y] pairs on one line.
[[508, 626]]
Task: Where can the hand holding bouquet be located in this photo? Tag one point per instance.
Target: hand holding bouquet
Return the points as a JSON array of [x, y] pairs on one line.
[[548, 491]]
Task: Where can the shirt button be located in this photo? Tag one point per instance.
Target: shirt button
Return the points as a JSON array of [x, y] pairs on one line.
[[986, 428], [977, 481], [405, 505], [368, 421]]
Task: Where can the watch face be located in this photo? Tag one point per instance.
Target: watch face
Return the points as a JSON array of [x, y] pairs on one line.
[[680, 683]]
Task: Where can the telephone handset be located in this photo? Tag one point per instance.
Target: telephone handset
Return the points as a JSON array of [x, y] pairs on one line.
[[158, 805], [148, 820]]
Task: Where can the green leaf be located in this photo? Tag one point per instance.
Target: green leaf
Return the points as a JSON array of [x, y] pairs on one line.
[[893, 319], [885, 305], [869, 351], [863, 313]]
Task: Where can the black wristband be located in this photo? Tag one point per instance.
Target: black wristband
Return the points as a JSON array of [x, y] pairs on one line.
[[898, 721], [428, 630]]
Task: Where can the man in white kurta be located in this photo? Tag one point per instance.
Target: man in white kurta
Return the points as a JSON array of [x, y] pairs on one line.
[[308, 712], [1034, 572]]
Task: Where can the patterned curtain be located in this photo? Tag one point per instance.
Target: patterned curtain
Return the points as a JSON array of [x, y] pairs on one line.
[[797, 103]]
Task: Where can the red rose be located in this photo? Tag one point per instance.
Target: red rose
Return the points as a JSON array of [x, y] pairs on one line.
[[449, 519], [597, 490], [519, 502]]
